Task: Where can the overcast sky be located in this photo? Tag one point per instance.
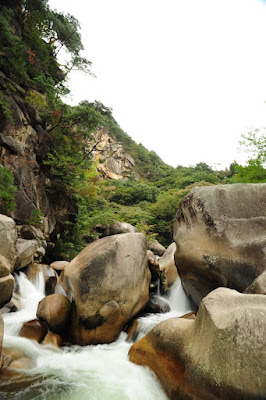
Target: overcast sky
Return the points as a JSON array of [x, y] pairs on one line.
[[183, 77]]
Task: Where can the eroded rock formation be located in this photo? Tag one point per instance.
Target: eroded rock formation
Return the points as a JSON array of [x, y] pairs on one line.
[[110, 156]]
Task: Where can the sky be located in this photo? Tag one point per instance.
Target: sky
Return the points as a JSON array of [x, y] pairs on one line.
[[183, 77]]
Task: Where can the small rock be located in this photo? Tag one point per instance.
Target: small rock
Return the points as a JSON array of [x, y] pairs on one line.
[[59, 265], [34, 330], [52, 339]]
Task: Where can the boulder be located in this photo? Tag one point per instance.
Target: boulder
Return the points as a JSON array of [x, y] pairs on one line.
[[119, 227], [8, 237], [25, 252], [167, 267], [55, 311], [157, 304], [110, 281], [7, 284], [157, 248], [34, 330], [59, 265], [219, 355], [220, 237]]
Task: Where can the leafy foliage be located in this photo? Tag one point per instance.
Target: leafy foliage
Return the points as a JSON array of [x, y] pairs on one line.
[[254, 143], [7, 191], [31, 35]]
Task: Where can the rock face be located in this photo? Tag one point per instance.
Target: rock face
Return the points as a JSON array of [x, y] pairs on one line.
[[220, 355], [113, 161], [24, 144], [220, 237], [110, 282]]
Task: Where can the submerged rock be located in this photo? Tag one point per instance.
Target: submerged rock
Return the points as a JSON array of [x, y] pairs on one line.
[[220, 237], [110, 282], [157, 304], [52, 339], [219, 355], [34, 330]]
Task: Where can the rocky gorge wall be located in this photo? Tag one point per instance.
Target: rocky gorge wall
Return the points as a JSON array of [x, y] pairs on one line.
[[24, 145]]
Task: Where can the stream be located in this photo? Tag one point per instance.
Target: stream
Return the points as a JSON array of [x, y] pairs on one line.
[[95, 372]]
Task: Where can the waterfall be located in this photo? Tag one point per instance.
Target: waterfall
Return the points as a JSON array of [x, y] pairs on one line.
[[179, 306], [95, 372]]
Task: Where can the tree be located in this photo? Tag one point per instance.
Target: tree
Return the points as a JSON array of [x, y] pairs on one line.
[[253, 143]]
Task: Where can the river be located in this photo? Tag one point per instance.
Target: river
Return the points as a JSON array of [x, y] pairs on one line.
[[96, 372]]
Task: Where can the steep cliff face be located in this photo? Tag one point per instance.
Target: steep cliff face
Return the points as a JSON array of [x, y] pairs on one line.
[[110, 157], [24, 144]]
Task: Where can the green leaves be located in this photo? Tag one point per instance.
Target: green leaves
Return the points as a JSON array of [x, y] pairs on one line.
[[7, 191], [253, 143]]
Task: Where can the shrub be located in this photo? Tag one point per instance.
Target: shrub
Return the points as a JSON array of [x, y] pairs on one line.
[[7, 191]]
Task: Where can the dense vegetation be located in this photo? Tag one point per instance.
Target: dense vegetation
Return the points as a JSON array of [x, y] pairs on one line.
[[31, 35]]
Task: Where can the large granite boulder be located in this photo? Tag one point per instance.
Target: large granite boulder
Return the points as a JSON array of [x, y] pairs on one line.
[[220, 237], [219, 355], [109, 283]]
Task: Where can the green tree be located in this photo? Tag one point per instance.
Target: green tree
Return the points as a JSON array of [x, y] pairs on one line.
[[254, 144]]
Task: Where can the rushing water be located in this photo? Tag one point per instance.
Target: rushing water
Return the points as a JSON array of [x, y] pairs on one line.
[[101, 372]]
